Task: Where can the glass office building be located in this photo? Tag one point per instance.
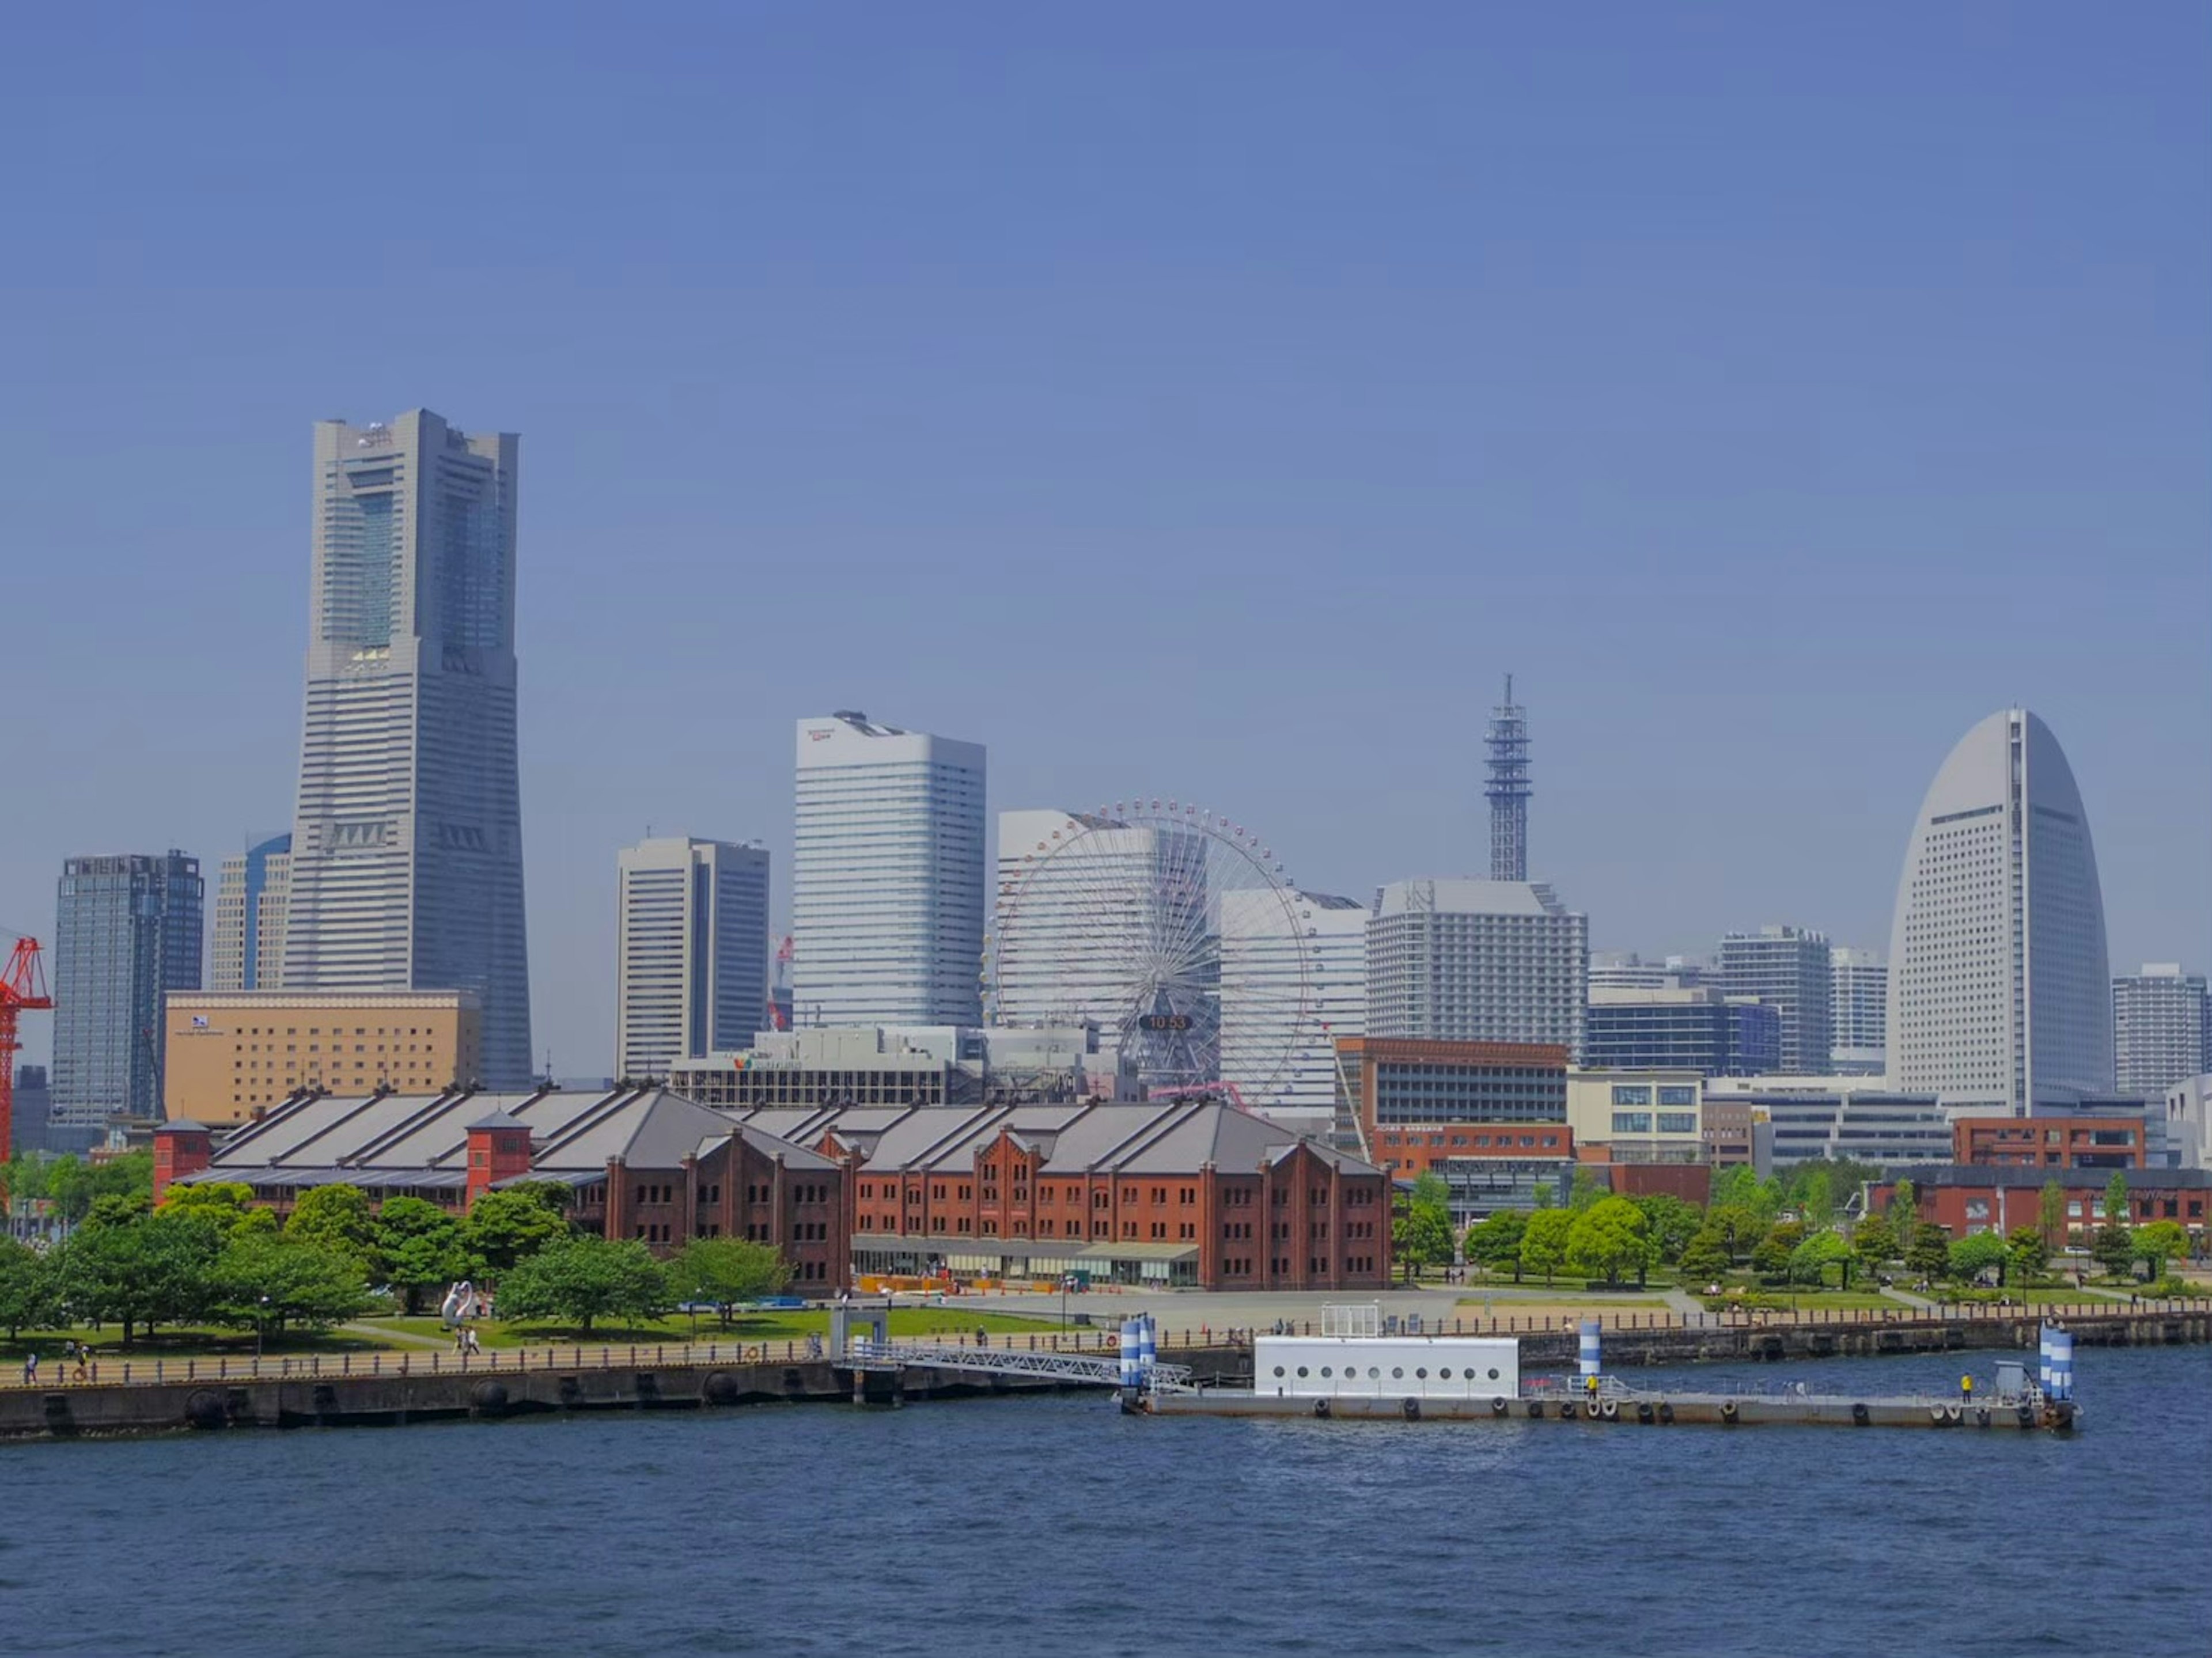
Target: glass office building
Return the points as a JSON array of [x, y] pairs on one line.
[[126, 929]]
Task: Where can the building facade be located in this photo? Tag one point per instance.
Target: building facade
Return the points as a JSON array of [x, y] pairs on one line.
[[1477, 961], [690, 952], [2160, 1018], [2000, 998], [2049, 1142], [33, 1107], [406, 868], [1858, 1018], [1624, 969], [1787, 968], [1874, 1124], [1637, 1116], [1696, 1030], [245, 939], [235, 1055], [1964, 1200], [887, 876], [127, 930], [1295, 995], [1489, 1118]]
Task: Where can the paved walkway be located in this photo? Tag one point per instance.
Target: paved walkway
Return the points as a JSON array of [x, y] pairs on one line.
[[379, 1332]]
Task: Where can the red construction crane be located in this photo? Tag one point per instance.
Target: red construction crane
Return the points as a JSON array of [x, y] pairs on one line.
[[23, 986]]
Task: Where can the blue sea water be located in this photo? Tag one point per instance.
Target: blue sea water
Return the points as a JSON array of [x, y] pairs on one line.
[[1055, 1524]]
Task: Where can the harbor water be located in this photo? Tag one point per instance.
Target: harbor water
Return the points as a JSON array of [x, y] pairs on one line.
[[1056, 1524]]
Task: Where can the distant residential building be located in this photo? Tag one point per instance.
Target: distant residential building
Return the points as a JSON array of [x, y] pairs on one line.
[[2159, 1020], [1477, 961], [236, 1054], [1624, 969], [690, 951], [245, 940], [127, 930], [1642, 1116], [34, 1104], [1838, 1118], [406, 857], [887, 883], [1296, 995], [2000, 996], [1858, 1019], [1695, 1030], [2049, 1142], [1788, 967]]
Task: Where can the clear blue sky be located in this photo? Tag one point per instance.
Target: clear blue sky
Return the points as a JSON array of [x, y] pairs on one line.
[[1210, 400]]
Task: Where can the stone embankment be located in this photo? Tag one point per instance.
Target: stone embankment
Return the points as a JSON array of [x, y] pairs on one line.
[[389, 1389]]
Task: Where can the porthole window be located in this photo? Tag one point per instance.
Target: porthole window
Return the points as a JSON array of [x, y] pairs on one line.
[[1324, 1370], [1493, 1373], [1396, 1371], [1374, 1373], [1423, 1373], [1278, 1371], [1302, 1370], [1445, 1373]]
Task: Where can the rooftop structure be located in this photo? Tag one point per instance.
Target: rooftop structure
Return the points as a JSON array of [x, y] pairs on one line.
[[1507, 739]]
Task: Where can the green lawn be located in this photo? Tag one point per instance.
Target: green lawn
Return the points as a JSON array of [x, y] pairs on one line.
[[779, 1325], [1505, 1299], [179, 1343], [1774, 1300]]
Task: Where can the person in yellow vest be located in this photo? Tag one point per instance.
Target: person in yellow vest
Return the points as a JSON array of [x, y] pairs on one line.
[[1966, 1390]]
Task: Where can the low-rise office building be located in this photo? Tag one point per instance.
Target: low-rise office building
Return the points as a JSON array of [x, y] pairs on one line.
[[2061, 1142], [641, 1163], [1966, 1201], [1839, 1117], [233, 1055], [1697, 1028], [1636, 1116]]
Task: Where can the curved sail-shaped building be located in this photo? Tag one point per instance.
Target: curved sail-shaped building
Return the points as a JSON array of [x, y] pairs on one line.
[[1999, 996]]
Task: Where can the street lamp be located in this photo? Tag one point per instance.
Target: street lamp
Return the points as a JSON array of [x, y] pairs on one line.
[[260, 1328]]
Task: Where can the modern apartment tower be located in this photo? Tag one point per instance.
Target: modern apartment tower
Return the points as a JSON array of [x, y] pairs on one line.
[[2158, 1028], [1858, 1012], [1291, 992], [1507, 739], [1477, 961], [1789, 967], [253, 893], [406, 869], [887, 876], [690, 952], [2000, 998], [126, 930]]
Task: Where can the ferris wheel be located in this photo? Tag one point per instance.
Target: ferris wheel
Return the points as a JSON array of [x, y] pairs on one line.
[[1173, 930]]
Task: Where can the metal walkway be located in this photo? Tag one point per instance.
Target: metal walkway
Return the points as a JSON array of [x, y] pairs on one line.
[[1100, 1370]]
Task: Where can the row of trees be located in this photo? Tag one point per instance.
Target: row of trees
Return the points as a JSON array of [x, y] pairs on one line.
[[208, 1255]]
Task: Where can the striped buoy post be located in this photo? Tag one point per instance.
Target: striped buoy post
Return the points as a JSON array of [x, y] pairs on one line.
[[2061, 1386], [1148, 1343], [1591, 1328], [2042, 1360], [1131, 1365]]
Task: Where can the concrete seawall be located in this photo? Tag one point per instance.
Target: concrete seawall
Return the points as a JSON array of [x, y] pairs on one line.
[[299, 1394]]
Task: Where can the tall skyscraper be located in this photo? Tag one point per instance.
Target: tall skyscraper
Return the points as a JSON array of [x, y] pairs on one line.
[[1284, 994], [1999, 993], [886, 876], [690, 952], [1477, 961], [245, 944], [407, 845], [1858, 1012], [2159, 1018], [1508, 788], [126, 930], [1789, 967]]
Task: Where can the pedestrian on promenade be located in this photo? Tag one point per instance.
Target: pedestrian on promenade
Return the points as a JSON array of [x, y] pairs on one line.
[[31, 1368], [469, 1340], [84, 1353]]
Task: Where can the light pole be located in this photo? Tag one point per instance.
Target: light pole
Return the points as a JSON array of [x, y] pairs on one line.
[[260, 1328]]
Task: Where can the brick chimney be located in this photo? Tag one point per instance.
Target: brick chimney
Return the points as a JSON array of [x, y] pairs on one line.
[[499, 1149], [180, 1148]]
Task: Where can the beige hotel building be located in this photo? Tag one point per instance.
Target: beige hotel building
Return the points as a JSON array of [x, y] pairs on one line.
[[235, 1054]]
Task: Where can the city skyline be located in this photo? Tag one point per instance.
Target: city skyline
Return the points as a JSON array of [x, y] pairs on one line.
[[1716, 445]]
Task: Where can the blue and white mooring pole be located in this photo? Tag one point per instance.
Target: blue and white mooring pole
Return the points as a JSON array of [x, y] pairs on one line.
[[2058, 1356], [1133, 1363], [1591, 1329]]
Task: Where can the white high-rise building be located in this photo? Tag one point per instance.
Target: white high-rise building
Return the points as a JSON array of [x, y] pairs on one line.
[[2000, 998], [1787, 967], [1858, 1012], [1624, 969], [1477, 961], [245, 939], [2159, 1018], [887, 876], [407, 843], [690, 952], [1296, 993]]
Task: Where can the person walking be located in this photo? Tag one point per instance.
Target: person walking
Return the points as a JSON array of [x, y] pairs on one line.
[[469, 1341], [31, 1368]]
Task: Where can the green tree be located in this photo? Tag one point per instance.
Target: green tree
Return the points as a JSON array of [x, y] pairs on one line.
[[1904, 1208], [1583, 1189], [1813, 1192], [116, 1208], [69, 1187], [1737, 1185], [418, 1247], [1929, 1252], [1874, 1240], [1495, 1241], [2030, 1254], [1609, 1237], [2116, 1208], [1420, 1224], [30, 1289], [1544, 1242], [1810, 1260], [2050, 1214], [149, 1272], [227, 1206], [724, 1271], [1739, 1225], [1706, 1255], [2160, 1241], [261, 1278], [2114, 1246], [1772, 1258], [336, 1217], [1975, 1253], [1673, 1222], [505, 1225], [579, 1280]]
